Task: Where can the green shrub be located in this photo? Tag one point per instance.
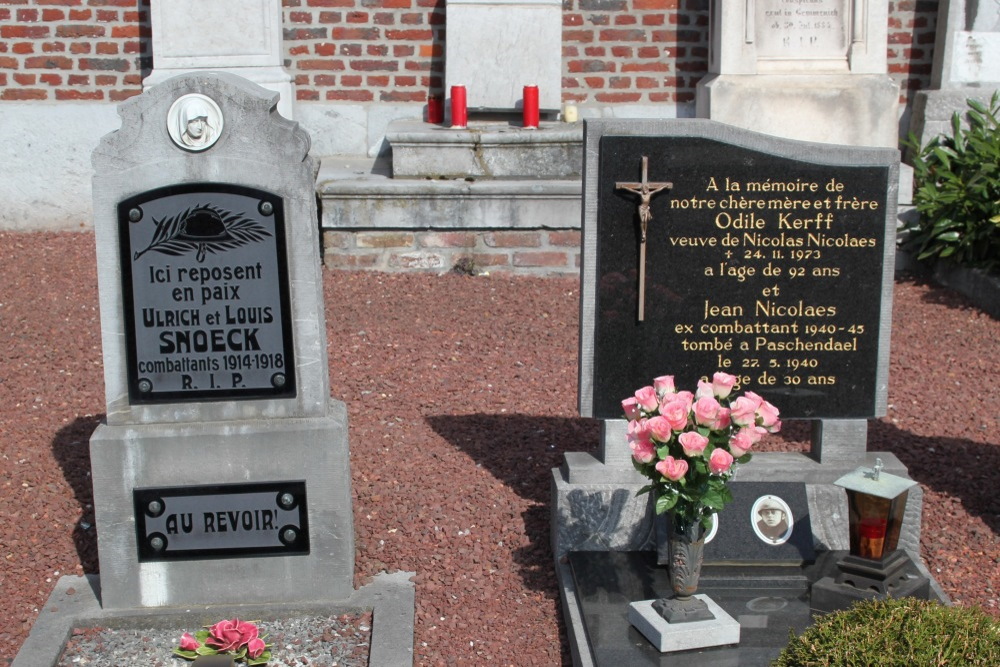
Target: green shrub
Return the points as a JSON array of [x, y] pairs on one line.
[[900, 632], [957, 191]]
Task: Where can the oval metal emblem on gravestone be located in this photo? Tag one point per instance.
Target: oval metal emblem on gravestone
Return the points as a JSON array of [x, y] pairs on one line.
[[205, 288]]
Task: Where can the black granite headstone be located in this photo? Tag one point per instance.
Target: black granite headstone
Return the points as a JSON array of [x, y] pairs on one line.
[[760, 265]]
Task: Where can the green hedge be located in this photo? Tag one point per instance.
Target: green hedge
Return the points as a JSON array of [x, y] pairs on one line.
[[897, 633]]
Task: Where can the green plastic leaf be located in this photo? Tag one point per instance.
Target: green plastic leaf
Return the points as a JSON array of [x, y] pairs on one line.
[[187, 655], [665, 503]]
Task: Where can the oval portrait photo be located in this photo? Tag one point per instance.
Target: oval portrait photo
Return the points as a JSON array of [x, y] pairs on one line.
[[771, 519]]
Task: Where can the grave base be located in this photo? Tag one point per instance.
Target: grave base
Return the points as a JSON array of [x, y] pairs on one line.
[[668, 637]]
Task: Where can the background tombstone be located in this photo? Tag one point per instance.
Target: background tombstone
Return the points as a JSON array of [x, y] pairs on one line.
[[966, 64], [494, 49], [222, 473], [239, 36], [813, 71]]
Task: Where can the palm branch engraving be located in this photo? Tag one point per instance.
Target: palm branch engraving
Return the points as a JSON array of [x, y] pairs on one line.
[[203, 229]]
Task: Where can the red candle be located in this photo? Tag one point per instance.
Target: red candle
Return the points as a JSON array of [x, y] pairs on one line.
[[872, 541], [435, 109], [529, 99], [459, 111]]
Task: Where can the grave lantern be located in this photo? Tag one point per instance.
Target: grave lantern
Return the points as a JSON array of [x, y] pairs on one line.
[[874, 567]]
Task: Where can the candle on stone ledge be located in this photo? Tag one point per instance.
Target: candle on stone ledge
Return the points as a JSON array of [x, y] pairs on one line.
[[459, 110], [529, 99], [435, 109]]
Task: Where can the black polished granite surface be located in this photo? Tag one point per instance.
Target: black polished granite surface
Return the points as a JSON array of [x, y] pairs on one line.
[[768, 601]]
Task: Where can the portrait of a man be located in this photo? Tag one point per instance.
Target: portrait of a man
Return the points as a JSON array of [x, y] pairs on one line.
[[772, 519]]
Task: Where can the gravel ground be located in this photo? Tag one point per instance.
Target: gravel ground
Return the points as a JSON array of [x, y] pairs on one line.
[[331, 641], [462, 397]]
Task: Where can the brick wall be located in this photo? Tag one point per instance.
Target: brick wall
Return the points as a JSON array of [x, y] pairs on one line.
[[361, 51], [528, 252], [73, 49]]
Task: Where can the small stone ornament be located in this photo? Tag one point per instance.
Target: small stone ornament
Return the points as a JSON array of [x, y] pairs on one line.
[[194, 122]]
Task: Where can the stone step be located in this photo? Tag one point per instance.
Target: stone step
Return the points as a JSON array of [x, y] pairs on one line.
[[359, 193], [491, 150]]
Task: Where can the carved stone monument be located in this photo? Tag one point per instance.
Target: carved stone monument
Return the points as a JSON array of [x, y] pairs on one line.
[[966, 64], [221, 474], [815, 71], [242, 37]]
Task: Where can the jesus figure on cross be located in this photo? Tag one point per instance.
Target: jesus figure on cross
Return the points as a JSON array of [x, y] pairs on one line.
[[645, 190]]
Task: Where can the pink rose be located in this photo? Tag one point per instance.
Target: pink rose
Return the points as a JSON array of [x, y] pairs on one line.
[[189, 643], [631, 408], [646, 397], [255, 647], [671, 468], [741, 442], [643, 451], [639, 429], [660, 429], [704, 389], [706, 409], [676, 414], [744, 411], [686, 397], [694, 443], [720, 461], [722, 420], [722, 384], [664, 385], [230, 635], [768, 415]]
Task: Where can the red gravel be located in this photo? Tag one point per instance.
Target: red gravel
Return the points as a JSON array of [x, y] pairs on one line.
[[462, 397]]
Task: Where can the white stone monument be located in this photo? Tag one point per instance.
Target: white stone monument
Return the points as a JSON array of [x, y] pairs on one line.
[[241, 37], [496, 47], [815, 71], [966, 64]]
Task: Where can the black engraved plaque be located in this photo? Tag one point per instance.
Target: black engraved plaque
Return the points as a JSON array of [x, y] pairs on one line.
[[766, 267], [221, 521], [205, 287]]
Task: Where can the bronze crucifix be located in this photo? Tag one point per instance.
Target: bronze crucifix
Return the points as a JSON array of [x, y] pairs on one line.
[[645, 190]]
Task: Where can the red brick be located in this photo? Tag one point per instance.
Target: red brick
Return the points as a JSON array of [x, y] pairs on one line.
[[446, 240], [384, 18], [78, 80], [388, 4], [48, 62], [23, 48], [19, 94], [306, 95], [107, 15], [403, 51], [595, 51], [619, 82], [105, 80], [330, 17], [578, 36], [350, 95], [27, 15], [376, 81], [6, 62], [375, 65], [621, 51], [652, 19], [410, 35], [411, 18], [490, 259], [625, 19], [512, 239], [79, 48], [315, 64], [24, 31], [594, 81], [576, 66], [377, 50], [25, 79], [300, 17], [357, 17], [330, 3], [336, 260], [80, 14], [618, 98], [351, 80], [107, 48], [565, 238], [71, 94], [366, 34], [122, 95], [114, 64], [405, 81], [648, 5], [325, 80], [51, 15], [542, 259], [325, 49]]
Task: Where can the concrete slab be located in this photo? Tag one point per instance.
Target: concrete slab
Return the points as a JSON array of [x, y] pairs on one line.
[[75, 602]]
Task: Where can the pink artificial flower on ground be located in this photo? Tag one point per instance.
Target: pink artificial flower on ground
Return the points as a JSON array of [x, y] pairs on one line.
[[255, 648], [189, 643], [230, 635], [663, 385], [671, 468], [676, 414], [646, 398], [660, 429], [722, 384], [643, 451], [706, 409], [720, 461], [694, 443], [631, 408]]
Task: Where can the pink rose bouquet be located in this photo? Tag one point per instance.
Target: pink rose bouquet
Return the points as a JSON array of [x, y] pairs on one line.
[[240, 639], [689, 444]]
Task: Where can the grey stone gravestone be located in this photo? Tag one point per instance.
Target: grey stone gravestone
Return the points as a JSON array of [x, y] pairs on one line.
[[222, 474]]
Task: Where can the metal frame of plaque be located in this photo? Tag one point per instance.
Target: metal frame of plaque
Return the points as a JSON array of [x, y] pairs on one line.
[[768, 258], [221, 521], [205, 294]]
